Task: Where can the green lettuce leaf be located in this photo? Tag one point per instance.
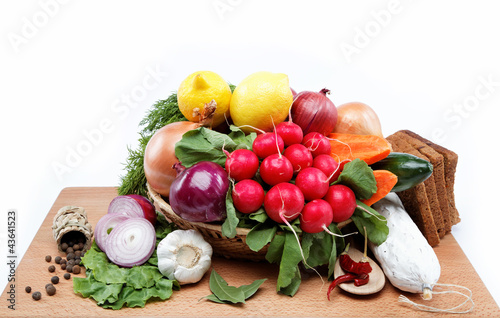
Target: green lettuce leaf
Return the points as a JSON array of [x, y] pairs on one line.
[[113, 287]]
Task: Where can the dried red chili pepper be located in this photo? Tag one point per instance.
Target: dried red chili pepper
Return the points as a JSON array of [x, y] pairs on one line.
[[349, 277], [349, 265], [361, 280]]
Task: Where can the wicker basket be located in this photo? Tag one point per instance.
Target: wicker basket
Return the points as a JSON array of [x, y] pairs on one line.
[[235, 248]]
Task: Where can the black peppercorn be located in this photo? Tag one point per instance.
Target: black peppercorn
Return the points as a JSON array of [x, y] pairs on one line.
[[52, 268], [67, 276], [51, 290], [37, 295], [55, 279], [28, 289]]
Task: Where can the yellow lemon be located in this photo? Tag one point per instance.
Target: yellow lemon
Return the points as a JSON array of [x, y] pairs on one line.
[[201, 88], [261, 100]]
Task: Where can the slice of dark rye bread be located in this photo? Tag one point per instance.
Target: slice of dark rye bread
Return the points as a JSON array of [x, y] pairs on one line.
[[415, 200], [437, 161], [450, 167], [430, 187]]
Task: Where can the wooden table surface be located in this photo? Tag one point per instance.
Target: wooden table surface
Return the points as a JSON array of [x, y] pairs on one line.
[[309, 301]]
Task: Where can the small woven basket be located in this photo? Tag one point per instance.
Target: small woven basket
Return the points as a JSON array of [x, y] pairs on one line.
[[70, 222], [234, 248]]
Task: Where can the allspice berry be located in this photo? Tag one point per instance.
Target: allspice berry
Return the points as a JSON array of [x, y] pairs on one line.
[[67, 276], [28, 289], [51, 290], [76, 269], [55, 279], [37, 295], [52, 268], [48, 258]]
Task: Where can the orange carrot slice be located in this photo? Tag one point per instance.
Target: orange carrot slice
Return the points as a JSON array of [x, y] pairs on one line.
[[369, 148], [386, 180]]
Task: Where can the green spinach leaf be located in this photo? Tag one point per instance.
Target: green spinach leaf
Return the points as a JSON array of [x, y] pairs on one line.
[[358, 176]]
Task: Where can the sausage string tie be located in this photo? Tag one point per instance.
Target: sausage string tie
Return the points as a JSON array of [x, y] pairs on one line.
[[452, 310]]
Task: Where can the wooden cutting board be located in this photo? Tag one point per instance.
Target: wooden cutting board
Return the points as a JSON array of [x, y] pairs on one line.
[[309, 301]]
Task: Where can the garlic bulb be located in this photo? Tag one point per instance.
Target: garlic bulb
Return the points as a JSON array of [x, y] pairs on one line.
[[185, 256]]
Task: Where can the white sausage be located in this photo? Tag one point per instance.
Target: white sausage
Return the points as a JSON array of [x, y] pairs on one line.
[[408, 261]]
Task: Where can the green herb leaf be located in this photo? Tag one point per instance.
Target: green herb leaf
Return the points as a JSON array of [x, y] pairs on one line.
[[251, 289], [225, 294], [376, 224], [358, 176], [231, 221], [260, 235], [223, 291]]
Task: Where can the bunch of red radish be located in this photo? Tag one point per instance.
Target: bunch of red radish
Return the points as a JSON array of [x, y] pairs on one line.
[[299, 170]]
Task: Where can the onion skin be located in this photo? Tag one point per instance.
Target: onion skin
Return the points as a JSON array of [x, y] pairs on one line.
[[147, 207], [159, 156], [314, 112], [358, 119], [198, 194]]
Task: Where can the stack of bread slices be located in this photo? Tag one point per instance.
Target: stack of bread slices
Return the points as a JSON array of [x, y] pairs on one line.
[[431, 204]]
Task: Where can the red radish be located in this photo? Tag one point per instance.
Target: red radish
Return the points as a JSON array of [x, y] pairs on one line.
[[248, 196], [328, 165], [299, 156], [316, 216], [290, 132], [267, 144], [147, 207], [284, 202], [342, 200], [312, 182], [275, 169], [241, 164], [317, 143]]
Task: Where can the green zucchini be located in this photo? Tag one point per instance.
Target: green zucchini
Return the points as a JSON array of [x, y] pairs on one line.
[[411, 170]]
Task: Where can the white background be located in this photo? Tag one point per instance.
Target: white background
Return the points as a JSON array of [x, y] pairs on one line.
[[68, 67]]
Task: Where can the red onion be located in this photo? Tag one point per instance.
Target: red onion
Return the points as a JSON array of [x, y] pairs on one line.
[[131, 242], [133, 206], [148, 208], [314, 112], [198, 193], [103, 227]]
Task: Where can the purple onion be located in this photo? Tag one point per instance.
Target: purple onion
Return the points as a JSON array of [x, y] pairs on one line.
[[198, 193], [104, 227], [131, 242]]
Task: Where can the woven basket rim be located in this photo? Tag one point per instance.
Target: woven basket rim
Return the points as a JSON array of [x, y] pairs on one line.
[[172, 216]]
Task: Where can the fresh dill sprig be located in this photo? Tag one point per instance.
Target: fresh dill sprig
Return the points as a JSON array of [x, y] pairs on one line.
[[162, 113]]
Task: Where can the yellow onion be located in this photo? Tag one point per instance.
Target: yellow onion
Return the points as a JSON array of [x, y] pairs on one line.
[[358, 119], [159, 156]]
